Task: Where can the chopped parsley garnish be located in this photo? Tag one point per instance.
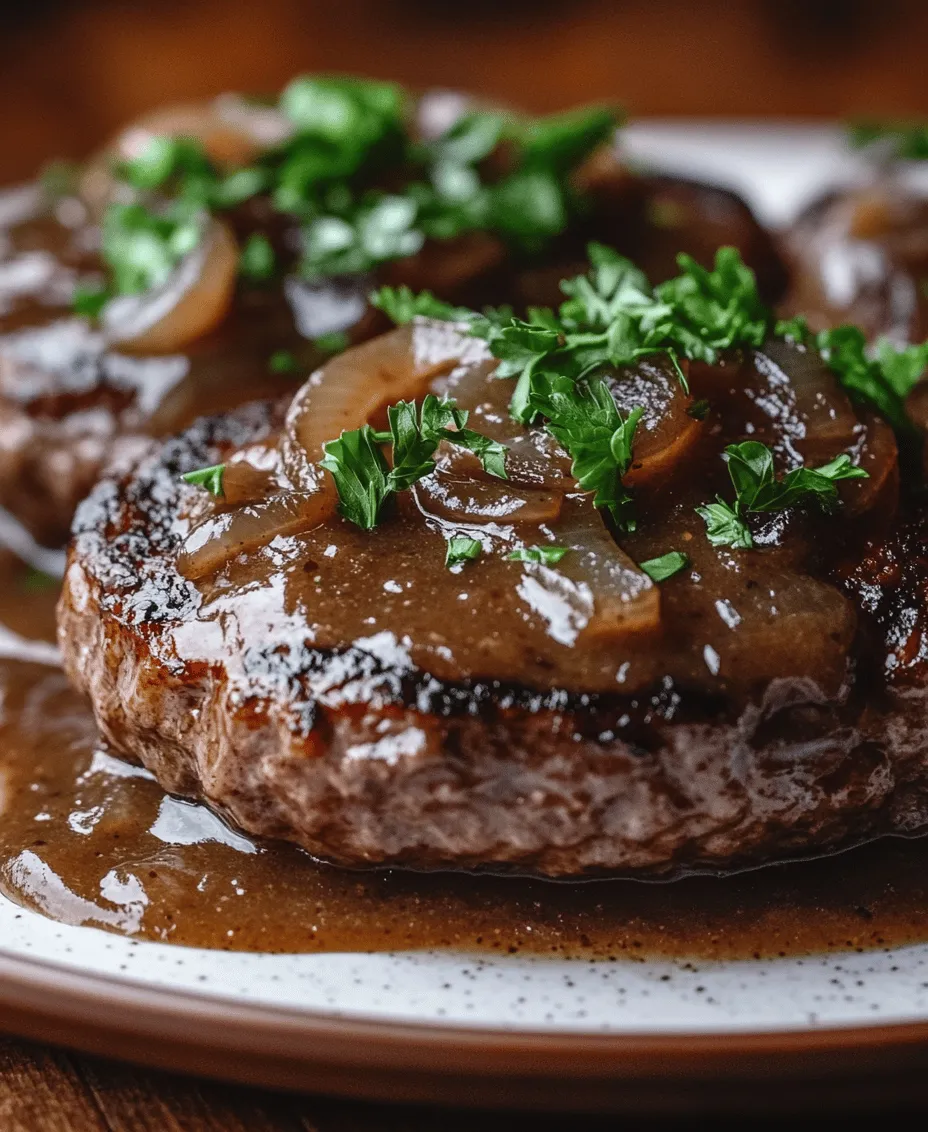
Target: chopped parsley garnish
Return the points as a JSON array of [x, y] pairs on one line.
[[401, 305], [258, 261], [283, 361], [382, 228], [350, 138], [545, 555], [660, 569], [750, 465], [904, 140], [611, 317], [209, 478], [882, 381], [462, 549], [362, 476], [332, 343], [142, 247], [583, 418], [89, 300]]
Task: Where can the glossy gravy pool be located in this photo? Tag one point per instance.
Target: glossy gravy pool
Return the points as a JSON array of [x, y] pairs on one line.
[[88, 839]]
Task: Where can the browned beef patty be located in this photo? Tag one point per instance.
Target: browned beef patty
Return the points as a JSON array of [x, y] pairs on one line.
[[364, 758]]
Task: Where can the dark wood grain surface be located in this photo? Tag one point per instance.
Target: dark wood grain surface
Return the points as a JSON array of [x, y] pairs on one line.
[[48, 1090]]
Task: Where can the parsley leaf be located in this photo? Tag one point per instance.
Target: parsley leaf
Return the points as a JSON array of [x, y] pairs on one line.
[[257, 261], [332, 343], [880, 382], [724, 525], [583, 418], [660, 569], [905, 140], [546, 555], [462, 549], [401, 305], [561, 141], [89, 300], [612, 317], [381, 229], [282, 361], [142, 247], [362, 476], [209, 478], [750, 466], [709, 311]]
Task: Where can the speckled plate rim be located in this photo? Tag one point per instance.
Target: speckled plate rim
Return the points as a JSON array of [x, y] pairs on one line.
[[399, 1061]]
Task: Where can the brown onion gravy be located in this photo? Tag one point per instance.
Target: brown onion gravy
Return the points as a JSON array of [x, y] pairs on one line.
[[87, 839]]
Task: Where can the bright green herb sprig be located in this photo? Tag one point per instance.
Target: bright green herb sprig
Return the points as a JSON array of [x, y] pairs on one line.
[[903, 140], [208, 478], [258, 261], [881, 381], [283, 361], [583, 418], [462, 549], [664, 567], [750, 465], [613, 317], [402, 305], [141, 249], [362, 476], [545, 555], [348, 136]]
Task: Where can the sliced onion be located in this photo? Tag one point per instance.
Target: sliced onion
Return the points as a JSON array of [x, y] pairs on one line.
[[216, 541], [877, 453], [614, 598], [191, 303], [249, 474], [485, 501], [666, 434], [348, 391], [342, 395]]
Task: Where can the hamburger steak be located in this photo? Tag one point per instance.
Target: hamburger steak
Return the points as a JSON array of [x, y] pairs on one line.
[[261, 294], [467, 671]]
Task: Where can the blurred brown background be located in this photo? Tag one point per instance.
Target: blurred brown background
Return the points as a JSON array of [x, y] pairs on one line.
[[73, 70]]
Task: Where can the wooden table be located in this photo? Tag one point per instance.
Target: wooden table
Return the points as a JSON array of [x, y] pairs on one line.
[[50, 1090]]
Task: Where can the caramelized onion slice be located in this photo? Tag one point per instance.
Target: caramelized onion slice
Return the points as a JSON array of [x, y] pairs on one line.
[[877, 453], [216, 541], [485, 501], [595, 588], [349, 390], [666, 434], [802, 397], [190, 304]]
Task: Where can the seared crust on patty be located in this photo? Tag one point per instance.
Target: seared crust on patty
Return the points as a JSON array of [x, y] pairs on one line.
[[362, 760]]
